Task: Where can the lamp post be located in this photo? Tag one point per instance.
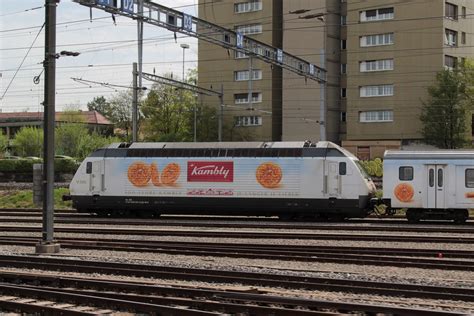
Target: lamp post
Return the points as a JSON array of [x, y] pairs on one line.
[[184, 47]]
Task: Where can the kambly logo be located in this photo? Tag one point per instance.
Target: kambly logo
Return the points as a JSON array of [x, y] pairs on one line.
[[210, 171]]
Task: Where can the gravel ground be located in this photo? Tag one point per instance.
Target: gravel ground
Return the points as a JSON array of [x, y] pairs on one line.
[[369, 273], [337, 271]]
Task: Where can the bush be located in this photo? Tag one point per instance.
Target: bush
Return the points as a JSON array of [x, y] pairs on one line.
[[28, 142], [26, 165]]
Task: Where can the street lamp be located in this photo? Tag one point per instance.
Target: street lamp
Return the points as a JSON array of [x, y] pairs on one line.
[[184, 47]]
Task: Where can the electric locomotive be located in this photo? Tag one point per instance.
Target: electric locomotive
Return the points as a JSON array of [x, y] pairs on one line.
[[285, 179]]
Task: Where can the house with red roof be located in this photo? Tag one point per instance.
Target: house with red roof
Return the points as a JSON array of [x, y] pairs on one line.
[[12, 122]]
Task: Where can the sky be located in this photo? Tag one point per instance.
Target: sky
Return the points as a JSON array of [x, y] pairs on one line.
[[107, 51]]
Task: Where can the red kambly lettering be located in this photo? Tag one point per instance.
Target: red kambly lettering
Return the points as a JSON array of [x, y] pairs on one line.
[[210, 171]]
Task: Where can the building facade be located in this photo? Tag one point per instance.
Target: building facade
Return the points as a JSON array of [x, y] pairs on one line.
[[380, 58]]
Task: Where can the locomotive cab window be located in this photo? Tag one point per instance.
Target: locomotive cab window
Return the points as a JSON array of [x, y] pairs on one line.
[[405, 173], [342, 168], [89, 167], [469, 178]]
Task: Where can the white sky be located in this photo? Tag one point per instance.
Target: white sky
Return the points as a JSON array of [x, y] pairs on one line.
[[107, 52]]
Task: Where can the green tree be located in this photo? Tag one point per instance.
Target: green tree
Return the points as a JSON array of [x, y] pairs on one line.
[[444, 115], [28, 142], [92, 142], [121, 111], [167, 113], [3, 144], [68, 138], [101, 105]]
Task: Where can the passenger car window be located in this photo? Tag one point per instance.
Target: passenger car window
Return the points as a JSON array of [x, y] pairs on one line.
[[469, 178], [440, 178], [405, 173]]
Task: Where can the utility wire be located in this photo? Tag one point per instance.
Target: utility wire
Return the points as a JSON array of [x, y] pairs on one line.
[[24, 58]]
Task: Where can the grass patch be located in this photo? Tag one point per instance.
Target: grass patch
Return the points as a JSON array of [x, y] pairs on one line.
[[24, 199]]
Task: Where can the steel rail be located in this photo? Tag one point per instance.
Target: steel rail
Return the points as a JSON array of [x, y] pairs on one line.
[[209, 299], [302, 255], [60, 219], [245, 278], [77, 298], [245, 234]]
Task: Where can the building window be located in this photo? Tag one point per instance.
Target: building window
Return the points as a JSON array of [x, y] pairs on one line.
[[451, 11], [463, 38], [376, 116], [239, 55], [405, 173], [343, 117], [243, 98], [249, 6], [343, 69], [244, 75], [343, 20], [450, 62], [376, 91], [376, 65], [249, 29], [343, 44], [376, 15], [376, 40], [463, 12], [248, 120], [451, 38], [343, 93]]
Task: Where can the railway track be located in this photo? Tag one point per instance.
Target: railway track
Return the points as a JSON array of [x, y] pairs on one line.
[[262, 301], [374, 226], [257, 234], [415, 258]]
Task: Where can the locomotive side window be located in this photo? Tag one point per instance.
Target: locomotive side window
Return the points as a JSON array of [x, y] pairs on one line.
[[342, 168], [469, 178], [405, 173], [89, 167]]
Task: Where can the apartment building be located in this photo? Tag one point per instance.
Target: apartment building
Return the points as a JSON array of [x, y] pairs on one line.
[[380, 58], [393, 52]]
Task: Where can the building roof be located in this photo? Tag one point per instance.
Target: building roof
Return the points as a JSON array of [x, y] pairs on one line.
[[88, 117]]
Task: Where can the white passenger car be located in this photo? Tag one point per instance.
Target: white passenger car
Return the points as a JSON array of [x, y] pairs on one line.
[[430, 184]]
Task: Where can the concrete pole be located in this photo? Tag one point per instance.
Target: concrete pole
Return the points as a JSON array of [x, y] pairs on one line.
[[47, 245], [322, 85], [140, 42], [221, 114], [135, 105], [250, 87]]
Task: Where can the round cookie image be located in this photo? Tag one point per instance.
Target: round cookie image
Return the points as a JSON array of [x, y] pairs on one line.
[[404, 192], [269, 175], [139, 174], [170, 174]]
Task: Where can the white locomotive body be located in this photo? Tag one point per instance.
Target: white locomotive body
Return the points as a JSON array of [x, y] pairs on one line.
[[288, 179], [430, 184]]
